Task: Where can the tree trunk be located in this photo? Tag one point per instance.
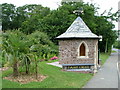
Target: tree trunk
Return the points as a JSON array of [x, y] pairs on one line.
[[26, 69], [27, 65], [106, 46], [15, 69], [36, 70]]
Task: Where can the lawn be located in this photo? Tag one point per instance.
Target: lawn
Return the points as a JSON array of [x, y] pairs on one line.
[[113, 51], [0, 80], [55, 77], [104, 57]]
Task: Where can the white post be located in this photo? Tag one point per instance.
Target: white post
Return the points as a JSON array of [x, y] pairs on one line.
[[95, 67], [95, 58]]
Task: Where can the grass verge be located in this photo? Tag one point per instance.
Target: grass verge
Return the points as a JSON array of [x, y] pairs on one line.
[[104, 57], [55, 77], [113, 51]]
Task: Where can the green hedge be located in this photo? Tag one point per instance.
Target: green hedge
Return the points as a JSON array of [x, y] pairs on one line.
[[117, 44]]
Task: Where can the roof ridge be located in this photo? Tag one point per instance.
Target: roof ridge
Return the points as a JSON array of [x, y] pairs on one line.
[[78, 29], [78, 26]]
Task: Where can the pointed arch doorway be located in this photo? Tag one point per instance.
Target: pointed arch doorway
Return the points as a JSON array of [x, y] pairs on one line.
[[82, 50]]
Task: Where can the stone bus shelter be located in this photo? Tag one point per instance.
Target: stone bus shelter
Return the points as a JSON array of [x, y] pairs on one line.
[[78, 47]]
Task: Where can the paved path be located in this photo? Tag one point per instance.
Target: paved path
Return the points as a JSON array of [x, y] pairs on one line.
[[107, 76], [55, 64]]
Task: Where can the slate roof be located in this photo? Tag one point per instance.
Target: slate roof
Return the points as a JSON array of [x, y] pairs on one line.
[[78, 29]]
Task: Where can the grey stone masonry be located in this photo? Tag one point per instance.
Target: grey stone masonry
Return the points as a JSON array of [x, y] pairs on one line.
[[69, 51], [78, 45]]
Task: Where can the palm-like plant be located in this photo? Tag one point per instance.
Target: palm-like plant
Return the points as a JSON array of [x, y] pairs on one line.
[[15, 44], [25, 49]]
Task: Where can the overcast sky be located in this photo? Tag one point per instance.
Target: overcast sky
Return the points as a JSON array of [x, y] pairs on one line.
[[53, 4]]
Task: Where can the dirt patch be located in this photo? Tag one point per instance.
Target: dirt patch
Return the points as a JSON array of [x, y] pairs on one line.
[[23, 79]]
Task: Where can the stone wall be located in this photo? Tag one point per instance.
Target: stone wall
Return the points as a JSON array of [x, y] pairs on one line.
[[69, 49]]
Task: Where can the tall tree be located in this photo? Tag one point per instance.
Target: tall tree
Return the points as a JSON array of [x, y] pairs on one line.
[[59, 20], [8, 15], [35, 13]]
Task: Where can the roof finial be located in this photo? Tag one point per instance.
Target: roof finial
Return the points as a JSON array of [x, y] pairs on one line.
[[79, 11]]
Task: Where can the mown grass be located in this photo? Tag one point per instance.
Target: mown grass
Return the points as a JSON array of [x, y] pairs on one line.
[[0, 80], [55, 77], [104, 57], [113, 51]]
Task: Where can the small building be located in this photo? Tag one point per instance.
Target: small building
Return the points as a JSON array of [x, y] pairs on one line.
[[78, 47]]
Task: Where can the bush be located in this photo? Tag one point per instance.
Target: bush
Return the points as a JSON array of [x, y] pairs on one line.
[[26, 50], [42, 45], [117, 44]]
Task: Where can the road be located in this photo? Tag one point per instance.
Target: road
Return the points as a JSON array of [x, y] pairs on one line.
[[107, 76]]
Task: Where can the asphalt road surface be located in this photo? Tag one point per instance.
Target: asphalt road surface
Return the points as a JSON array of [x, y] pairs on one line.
[[107, 76]]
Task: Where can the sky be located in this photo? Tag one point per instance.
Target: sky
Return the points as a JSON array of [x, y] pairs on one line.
[[53, 4]]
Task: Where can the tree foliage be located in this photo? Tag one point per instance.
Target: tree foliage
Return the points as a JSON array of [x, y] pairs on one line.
[[14, 45], [117, 44], [30, 18], [22, 49], [38, 26], [8, 15], [17, 17]]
